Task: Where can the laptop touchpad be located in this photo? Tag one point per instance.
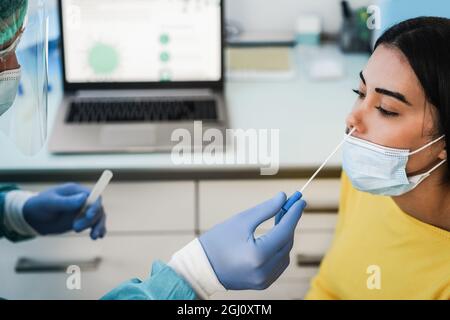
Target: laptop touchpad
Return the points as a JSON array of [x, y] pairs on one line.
[[127, 135]]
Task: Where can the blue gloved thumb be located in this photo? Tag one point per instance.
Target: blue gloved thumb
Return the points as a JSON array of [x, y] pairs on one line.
[[282, 233]]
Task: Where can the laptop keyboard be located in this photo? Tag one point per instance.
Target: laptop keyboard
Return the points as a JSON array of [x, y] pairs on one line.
[[132, 110]]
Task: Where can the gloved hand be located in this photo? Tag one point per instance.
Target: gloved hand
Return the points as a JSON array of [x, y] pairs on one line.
[[55, 210], [242, 262]]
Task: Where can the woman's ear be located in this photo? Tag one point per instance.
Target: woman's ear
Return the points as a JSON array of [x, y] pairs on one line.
[[443, 155]]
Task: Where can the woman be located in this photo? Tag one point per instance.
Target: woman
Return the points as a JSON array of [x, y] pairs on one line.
[[393, 234]]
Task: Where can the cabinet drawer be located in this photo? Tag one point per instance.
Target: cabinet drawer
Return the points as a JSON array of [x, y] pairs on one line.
[[120, 259], [145, 206], [218, 200]]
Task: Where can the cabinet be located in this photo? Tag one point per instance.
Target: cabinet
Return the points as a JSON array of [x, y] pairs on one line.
[[150, 220], [119, 258]]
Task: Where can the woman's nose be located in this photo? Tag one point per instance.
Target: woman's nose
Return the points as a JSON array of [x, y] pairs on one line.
[[355, 120]]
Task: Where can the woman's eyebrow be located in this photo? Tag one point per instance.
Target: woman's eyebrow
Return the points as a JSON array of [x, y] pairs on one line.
[[362, 78], [393, 94]]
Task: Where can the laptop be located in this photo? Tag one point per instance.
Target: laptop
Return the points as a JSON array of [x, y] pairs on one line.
[[134, 71]]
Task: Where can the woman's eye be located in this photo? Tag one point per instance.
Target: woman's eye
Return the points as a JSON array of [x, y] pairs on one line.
[[383, 111], [387, 113], [359, 93]]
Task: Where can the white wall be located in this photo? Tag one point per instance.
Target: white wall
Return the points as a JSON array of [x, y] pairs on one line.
[[280, 15]]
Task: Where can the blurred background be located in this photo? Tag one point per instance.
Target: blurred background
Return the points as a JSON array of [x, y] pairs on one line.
[[290, 65]]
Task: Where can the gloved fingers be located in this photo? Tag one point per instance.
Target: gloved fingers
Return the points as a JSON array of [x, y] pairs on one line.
[[93, 211], [69, 204], [289, 202], [98, 231], [92, 215], [71, 188], [280, 270], [282, 233], [275, 266], [99, 228], [278, 217], [264, 211]]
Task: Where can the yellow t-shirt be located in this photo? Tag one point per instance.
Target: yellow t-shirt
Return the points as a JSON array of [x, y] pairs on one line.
[[380, 252]]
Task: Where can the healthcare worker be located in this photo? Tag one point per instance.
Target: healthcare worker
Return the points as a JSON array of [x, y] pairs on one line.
[[25, 215], [228, 257]]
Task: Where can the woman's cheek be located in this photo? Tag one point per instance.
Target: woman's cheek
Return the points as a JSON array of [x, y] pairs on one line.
[[379, 130]]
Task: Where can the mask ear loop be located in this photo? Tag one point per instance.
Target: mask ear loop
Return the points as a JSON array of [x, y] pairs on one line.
[[13, 46], [437, 166], [6, 52], [427, 145]]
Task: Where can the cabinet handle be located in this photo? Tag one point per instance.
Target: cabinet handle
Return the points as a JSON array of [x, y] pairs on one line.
[[309, 260], [29, 265]]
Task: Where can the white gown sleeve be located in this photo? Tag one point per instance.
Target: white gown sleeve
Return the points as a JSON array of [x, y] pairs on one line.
[[193, 265]]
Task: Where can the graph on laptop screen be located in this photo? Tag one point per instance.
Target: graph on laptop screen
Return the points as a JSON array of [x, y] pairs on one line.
[[142, 40]]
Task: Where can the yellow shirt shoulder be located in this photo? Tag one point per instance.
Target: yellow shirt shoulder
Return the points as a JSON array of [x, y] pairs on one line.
[[380, 252]]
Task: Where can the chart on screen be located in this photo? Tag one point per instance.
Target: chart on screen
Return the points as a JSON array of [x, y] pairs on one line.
[[142, 40]]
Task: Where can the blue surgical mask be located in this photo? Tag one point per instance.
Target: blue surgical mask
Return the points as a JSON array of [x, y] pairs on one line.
[[380, 170], [9, 85]]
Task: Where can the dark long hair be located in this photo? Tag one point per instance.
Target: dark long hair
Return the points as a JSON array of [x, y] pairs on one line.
[[425, 42]]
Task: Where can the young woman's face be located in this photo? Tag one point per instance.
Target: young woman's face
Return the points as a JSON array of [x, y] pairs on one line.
[[392, 110]]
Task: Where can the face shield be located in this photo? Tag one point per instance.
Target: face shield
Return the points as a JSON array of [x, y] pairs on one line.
[[24, 73]]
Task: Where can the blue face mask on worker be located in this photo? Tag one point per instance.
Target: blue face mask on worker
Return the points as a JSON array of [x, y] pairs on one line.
[[9, 85], [380, 170]]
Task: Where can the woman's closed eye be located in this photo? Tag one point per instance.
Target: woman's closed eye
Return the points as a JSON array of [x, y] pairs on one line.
[[384, 112]]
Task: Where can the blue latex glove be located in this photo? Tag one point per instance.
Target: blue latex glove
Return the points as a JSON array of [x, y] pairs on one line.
[[54, 211], [242, 262]]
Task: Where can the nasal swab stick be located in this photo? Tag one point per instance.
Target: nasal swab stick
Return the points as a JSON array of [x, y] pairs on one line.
[[298, 195], [326, 160], [96, 193]]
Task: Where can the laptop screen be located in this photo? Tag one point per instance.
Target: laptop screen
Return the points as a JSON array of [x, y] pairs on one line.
[[129, 41]]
